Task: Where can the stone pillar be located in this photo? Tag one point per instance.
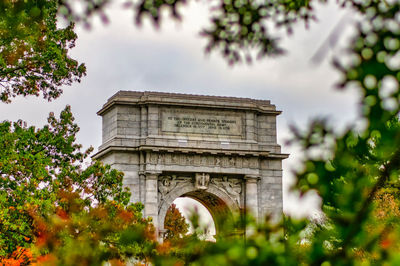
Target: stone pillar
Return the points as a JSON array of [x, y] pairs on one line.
[[143, 121], [252, 195], [142, 184], [151, 197]]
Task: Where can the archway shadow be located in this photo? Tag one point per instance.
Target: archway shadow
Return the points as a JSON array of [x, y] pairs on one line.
[[225, 212]]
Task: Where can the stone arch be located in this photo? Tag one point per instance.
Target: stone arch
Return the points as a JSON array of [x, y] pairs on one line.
[[142, 139], [218, 203]]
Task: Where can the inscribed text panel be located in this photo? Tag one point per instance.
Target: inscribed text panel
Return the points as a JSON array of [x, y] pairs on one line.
[[193, 121]]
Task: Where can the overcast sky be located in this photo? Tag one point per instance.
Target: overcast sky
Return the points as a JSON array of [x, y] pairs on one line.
[[120, 56]]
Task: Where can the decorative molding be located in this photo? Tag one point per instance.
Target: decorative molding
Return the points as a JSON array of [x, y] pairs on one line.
[[202, 180], [177, 99], [152, 174], [185, 159], [251, 178]]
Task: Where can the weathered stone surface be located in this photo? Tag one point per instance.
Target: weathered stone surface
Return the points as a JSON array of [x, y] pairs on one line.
[[221, 151]]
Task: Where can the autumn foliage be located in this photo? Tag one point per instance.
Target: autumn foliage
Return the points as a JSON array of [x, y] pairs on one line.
[[175, 224], [34, 56], [20, 256], [56, 208]]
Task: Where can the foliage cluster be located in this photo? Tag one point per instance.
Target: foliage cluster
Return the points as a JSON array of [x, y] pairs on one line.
[[175, 224], [34, 51], [51, 204]]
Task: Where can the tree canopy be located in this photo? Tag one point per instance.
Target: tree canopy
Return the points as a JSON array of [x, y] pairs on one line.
[[50, 200], [175, 224], [34, 50]]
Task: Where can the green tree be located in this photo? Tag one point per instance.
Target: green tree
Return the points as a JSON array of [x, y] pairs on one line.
[[45, 190], [34, 51], [175, 224]]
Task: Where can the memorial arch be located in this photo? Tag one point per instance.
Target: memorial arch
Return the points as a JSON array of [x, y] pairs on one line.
[[221, 151]]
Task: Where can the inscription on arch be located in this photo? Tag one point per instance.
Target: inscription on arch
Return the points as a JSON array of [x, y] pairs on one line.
[[179, 120]]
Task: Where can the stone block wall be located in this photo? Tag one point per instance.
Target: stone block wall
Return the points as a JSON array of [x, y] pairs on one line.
[[270, 187]]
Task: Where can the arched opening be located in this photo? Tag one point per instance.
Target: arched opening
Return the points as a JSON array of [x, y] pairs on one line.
[[221, 213], [222, 204], [189, 207]]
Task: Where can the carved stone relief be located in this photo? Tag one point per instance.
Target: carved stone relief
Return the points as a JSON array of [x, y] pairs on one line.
[[166, 184], [197, 159], [161, 158], [233, 187], [174, 159], [202, 180], [230, 186], [203, 160]]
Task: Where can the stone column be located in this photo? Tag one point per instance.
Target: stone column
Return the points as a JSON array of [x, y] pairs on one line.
[[151, 197], [252, 195]]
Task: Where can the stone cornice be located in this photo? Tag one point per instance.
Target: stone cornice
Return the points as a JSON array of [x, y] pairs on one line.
[[227, 152], [252, 178], [189, 100]]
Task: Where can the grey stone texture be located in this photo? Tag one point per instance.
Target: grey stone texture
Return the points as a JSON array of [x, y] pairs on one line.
[[166, 142]]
